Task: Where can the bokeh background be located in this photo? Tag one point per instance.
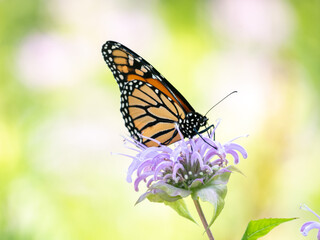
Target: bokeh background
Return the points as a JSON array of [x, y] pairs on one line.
[[60, 119]]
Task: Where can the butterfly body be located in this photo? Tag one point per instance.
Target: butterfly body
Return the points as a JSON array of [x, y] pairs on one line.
[[150, 105]]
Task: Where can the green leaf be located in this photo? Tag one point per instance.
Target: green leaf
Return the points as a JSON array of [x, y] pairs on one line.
[[176, 203], [213, 192], [170, 196], [259, 228], [196, 184], [232, 168], [160, 192], [171, 190], [157, 195], [181, 208]]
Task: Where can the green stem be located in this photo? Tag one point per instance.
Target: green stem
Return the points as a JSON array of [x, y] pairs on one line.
[[203, 219]]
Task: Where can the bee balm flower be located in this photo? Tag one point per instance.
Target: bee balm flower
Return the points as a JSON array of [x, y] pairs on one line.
[[190, 163]]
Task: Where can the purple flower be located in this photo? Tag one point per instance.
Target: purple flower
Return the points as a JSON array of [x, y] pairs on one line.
[[188, 164], [310, 225]]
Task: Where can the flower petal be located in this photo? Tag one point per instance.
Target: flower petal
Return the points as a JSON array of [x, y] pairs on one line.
[[133, 166], [237, 147], [139, 179], [305, 207], [175, 169], [234, 155], [309, 226]]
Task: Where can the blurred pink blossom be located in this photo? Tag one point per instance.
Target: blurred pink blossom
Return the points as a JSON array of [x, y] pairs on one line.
[[122, 21], [46, 61], [267, 22]]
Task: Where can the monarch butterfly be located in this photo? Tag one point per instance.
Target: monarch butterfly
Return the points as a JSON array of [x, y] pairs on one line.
[[150, 105]]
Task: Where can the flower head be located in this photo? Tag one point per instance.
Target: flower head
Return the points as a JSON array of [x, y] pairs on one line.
[[188, 164], [310, 225]]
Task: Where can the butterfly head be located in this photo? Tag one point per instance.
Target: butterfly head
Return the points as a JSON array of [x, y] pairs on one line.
[[191, 124], [204, 121]]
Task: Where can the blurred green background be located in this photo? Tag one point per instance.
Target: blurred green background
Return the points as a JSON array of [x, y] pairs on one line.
[[60, 119]]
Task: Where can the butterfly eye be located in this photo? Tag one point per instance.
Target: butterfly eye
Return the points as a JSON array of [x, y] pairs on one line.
[[204, 121]]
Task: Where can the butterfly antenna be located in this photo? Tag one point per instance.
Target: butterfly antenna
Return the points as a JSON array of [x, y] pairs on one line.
[[220, 101]]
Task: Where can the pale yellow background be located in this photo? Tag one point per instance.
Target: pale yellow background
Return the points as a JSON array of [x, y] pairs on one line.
[[60, 119]]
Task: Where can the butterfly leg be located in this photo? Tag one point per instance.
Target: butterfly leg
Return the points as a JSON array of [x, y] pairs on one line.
[[199, 133], [209, 134]]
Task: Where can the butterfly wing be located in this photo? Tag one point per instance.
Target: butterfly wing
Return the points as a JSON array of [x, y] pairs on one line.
[[126, 66], [149, 112], [150, 105]]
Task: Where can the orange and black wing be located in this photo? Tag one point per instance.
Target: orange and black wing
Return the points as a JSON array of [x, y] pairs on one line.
[[126, 66], [150, 105], [150, 113]]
